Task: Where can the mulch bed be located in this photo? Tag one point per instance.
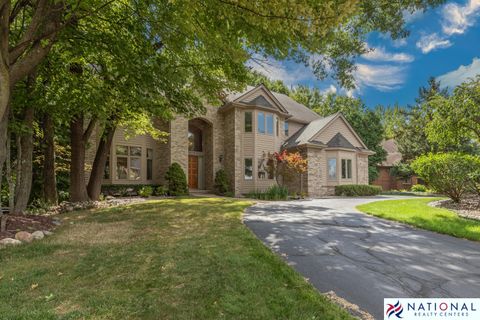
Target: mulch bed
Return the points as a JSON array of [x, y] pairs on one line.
[[29, 223], [467, 208]]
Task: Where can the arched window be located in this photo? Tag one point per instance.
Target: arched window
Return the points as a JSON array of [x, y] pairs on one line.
[[195, 140]]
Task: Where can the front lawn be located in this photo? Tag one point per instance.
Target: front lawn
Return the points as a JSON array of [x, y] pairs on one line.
[[418, 213], [168, 259]]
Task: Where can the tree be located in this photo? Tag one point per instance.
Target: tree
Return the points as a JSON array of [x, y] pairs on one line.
[[452, 174], [288, 164], [456, 118]]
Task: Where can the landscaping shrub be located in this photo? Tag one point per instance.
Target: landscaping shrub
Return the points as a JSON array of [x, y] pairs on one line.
[[161, 191], [222, 184], [419, 188], [177, 181], [124, 190], [272, 193], [145, 191], [357, 190], [451, 174]]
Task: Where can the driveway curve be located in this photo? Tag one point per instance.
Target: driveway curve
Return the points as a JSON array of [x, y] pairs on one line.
[[364, 259]]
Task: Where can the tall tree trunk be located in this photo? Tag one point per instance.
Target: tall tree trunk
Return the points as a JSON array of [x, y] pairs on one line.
[[25, 165], [78, 190], [49, 177], [95, 182], [9, 174]]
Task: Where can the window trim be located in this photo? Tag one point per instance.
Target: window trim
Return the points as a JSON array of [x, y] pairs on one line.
[[245, 121], [129, 157], [245, 169], [348, 168], [263, 122], [328, 169]]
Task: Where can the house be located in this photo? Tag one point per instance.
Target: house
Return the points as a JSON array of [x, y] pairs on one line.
[[239, 136], [385, 179]]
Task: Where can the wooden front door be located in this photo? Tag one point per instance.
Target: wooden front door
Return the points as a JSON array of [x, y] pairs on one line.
[[193, 172]]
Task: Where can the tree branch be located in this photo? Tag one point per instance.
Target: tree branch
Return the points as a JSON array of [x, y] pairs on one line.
[[88, 133]]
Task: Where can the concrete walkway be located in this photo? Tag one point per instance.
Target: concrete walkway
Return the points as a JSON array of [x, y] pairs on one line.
[[364, 259]]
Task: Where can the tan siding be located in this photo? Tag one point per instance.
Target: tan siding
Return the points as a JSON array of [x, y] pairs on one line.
[[338, 125]]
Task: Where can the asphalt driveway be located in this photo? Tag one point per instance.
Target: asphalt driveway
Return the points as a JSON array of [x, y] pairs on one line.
[[364, 259]]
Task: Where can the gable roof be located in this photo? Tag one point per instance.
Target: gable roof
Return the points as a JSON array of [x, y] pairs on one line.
[[304, 135], [307, 135], [297, 111], [393, 154], [339, 141]]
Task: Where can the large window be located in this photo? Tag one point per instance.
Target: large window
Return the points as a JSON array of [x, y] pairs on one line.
[[248, 168], [332, 169], [195, 141], [261, 122], [285, 128], [270, 123], [248, 121], [129, 162], [149, 164], [346, 169]]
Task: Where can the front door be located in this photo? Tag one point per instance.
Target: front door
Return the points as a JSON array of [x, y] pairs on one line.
[[193, 172]]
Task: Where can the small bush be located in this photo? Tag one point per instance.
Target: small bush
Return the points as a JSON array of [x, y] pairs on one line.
[[222, 184], [357, 190], [161, 191], [177, 180], [272, 193], [448, 173], [419, 188], [145, 191]]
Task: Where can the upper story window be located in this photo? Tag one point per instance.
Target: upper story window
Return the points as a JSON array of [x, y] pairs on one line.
[[277, 124], [270, 123], [285, 128], [332, 169], [248, 121], [195, 142], [261, 122], [346, 168]]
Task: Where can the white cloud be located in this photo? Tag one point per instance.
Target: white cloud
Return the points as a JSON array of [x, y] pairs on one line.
[[399, 42], [380, 77], [275, 70], [330, 89], [457, 18], [379, 54], [410, 17], [463, 73], [433, 41]]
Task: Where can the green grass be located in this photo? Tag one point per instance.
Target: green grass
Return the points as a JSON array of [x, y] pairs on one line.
[[168, 259], [418, 213]]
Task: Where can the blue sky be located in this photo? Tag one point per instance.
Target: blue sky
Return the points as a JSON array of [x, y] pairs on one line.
[[443, 42]]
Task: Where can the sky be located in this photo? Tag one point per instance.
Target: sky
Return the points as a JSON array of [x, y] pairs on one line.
[[444, 43]]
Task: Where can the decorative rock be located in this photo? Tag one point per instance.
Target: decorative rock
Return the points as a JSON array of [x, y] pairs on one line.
[[24, 236], [9, 242], [56, 222], [47, 233], [38, 235]]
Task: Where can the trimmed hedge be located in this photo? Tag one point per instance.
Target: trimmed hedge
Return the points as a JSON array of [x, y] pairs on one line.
[[128, 190], [177, 180], [222, 184], [357, 190]]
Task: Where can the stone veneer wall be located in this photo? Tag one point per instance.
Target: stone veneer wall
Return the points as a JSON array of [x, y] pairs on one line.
[[229, 157], [178, 142], [362, 167], [161, 153]]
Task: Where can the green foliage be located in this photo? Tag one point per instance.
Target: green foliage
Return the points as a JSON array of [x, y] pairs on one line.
[[222, 184], [177, 180], [124, 190], [401, 170], [419, 188], [456, 118], [274, 192], [357, 190], [145, 191], [161, 191], [447, 173]]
